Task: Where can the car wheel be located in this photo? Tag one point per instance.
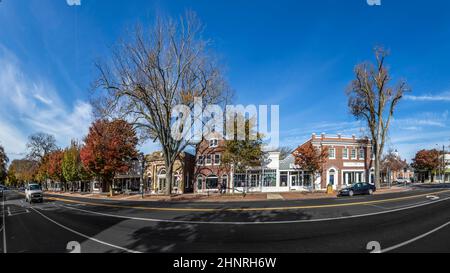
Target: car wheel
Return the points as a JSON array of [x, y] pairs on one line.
[[351, 193], [370, 192]]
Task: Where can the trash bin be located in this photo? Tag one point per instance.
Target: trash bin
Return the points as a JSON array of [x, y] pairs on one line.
[[330, 189]]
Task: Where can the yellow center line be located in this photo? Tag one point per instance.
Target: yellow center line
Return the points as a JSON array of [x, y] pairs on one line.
[[244, 209]]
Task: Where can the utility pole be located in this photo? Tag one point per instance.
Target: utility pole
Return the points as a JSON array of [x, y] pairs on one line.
[[142, 159], [443, 164]]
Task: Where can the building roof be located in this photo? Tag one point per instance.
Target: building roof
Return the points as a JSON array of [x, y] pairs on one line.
[[287, 163]]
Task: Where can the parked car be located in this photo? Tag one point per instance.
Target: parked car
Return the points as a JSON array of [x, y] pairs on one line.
[[33, 192], [358, 189], [403, 181]]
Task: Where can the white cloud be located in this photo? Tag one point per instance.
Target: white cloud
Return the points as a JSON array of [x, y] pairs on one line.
[[30, 105], [73, 2], [443, 97]]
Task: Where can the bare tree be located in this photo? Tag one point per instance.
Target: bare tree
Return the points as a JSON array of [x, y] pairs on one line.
[[40, 145], [3, 164], [285, 151], [152, 72], [371, 98]]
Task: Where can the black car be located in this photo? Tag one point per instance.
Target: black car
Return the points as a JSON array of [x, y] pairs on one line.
[[358, 189]]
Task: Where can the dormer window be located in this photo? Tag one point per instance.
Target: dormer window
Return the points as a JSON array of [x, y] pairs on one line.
[[213, 143]]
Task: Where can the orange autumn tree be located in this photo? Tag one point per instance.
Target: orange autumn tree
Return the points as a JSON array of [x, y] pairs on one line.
[[54, 166], [310, 158], [108, 149]]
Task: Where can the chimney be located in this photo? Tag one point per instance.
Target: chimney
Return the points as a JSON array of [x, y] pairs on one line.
[[354, 136], [323, 136], [313, 136], [339, 136]]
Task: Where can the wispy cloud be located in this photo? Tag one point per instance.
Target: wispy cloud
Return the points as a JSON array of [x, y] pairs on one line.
[[442, 97], [422, 121], [30, 104]]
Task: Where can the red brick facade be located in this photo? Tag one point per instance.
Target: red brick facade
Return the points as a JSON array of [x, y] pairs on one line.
[[349, 160], [209, 171]]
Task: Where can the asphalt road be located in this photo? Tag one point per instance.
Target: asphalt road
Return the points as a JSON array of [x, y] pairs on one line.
[[414, 221]]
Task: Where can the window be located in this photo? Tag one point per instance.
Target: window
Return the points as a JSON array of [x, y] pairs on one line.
[[213, 143], [199, 183], [208, 159], [201, 160], [225, 181], [307, 179], [217, 159], [284, 179], [270, 178], [332, 153], [239, 180], [212, 182], [362, 154], [296, 180], [345, 153], [353, 153]]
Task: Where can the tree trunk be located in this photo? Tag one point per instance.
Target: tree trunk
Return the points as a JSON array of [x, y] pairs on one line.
[[377, 181], [169, 178]]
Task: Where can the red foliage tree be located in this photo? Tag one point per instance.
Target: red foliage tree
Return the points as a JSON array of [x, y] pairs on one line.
[[54, 165], [108, 148], [427, 160], [310, 158]]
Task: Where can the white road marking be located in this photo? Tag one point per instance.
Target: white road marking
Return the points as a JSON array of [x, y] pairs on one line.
[[4, 225], [414, 239], [9, 212], [432, 197], [257, 223], [83, 235]]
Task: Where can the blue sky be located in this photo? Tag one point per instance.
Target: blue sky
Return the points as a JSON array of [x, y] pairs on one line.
[[297, 54]]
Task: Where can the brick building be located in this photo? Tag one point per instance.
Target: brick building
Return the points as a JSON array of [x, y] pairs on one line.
[[350, 160], [209, 172], [183, 173]]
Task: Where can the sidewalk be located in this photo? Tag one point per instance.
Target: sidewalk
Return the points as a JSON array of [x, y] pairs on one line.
[[222, 198]]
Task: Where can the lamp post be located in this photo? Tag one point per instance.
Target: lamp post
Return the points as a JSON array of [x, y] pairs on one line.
[[142, 161]]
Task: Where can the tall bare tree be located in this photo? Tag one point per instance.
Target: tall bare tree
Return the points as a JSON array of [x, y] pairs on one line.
[[153, 71], [40, 145], [371, 98]]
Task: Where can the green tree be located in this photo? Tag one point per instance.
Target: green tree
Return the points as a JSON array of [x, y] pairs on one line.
[[72, 166], [71, 163], [242, 153], [11, 180]]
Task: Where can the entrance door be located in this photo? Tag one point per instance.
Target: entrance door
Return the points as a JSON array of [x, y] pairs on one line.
[[332, 178], [294, 180], [253, 181], [162, 184]]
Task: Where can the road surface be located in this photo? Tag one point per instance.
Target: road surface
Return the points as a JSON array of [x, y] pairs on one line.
[[413, 221]]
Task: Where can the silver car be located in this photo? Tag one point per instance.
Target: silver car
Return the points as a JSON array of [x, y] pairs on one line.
[[33, 192]]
